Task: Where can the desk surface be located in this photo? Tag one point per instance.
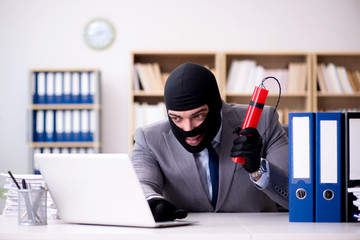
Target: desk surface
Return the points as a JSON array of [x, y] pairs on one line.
[[225, 226]]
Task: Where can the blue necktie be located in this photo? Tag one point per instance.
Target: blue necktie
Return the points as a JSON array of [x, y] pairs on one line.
[[214, 173]]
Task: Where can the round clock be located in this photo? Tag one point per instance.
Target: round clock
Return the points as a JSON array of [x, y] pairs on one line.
[[99, 34]]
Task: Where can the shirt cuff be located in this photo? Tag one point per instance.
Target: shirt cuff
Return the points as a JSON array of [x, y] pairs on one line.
[[153, 196], [264, 179]]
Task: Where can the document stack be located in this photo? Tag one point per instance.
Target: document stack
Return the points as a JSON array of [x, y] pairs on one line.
[[356, 202], [324, 162], [11, 204]]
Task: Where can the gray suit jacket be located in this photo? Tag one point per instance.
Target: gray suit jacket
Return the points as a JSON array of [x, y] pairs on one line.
[[164, 167]]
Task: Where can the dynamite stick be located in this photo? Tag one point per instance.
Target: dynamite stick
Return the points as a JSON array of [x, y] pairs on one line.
[[253, 113]]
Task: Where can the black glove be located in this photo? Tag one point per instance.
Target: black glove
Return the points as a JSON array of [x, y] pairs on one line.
[[163, 210], [248, 145]]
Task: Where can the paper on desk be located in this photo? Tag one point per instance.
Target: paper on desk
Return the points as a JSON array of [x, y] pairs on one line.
[[11, 204], [356, 192]]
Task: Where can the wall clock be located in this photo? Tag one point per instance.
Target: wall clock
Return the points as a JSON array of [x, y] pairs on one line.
[[99, 34]]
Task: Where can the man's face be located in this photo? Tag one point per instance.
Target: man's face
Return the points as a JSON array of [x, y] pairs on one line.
[[188, 120]]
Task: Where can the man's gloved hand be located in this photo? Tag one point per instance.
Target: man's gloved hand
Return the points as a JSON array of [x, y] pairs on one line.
[[248, 145], [163, 210]]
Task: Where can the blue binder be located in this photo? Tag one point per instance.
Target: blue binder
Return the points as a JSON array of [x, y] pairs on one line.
[[85, 87], [85, 125], [328, 196], [35, 88], [93, 85], [76, 126], [41, 87], [92, 125], [39, 126], [50, 87], [67, 96], [59, 88], [49, 126], [75, 87], [68, 126], [301, 167], [59, 126]]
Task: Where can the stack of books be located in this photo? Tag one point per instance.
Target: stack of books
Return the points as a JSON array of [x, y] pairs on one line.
[[244, 75], [11, 193], [337, 79], [148, 77]]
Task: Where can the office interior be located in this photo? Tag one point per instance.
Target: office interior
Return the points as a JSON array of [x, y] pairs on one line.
[[40, 34]]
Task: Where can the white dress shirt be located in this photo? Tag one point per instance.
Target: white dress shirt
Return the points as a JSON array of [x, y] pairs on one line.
[[202, 163]]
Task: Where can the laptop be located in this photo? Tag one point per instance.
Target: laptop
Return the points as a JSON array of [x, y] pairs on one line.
[[97, 189]]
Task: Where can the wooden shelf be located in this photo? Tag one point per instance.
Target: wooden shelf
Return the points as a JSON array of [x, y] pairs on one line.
[[309, 100], [64, 144], [335, 101], [44, 118], [64, 106]]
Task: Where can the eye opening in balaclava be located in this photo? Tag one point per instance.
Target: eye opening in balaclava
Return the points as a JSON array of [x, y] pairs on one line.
[[188, 87]]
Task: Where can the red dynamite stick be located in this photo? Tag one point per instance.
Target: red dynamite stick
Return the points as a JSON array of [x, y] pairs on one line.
[[253, 113]]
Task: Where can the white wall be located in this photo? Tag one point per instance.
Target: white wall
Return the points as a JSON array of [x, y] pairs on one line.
[[49, 34]]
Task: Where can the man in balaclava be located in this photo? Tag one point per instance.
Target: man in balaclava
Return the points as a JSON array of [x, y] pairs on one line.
[[188, 87], [185, 162]]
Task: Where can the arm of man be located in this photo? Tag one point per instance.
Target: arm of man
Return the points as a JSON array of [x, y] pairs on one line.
[[150, 176], [275, 146], [269, 141], [146, 166]]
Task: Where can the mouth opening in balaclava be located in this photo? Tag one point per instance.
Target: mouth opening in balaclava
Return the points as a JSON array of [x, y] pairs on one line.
[[188, 87]]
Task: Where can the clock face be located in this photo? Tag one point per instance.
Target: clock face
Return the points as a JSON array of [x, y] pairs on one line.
[[99, 34]]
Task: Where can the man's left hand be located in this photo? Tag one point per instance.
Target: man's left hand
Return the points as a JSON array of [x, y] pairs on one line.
[[248, 145]]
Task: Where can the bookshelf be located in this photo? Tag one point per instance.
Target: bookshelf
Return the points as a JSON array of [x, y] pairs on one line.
[[306, 98], [64, 112], [335, 98], [292, 69], [148, 104]]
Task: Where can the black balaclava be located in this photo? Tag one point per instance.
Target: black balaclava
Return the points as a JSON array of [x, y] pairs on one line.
[[188, 87]]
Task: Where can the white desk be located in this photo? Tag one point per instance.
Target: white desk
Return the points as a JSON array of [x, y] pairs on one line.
[[224, 226]]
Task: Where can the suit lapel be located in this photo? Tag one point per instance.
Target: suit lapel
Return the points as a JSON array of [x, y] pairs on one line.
[[226, 167], [186, 167]]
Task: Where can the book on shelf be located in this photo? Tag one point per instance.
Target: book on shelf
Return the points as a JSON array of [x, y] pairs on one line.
[[334, 78], [322, 79], [356, 78], [148, 113], [297, 77], [337, 79], [244, 75], [148, 77], [353, 81], [281, 75], [345, 83]]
